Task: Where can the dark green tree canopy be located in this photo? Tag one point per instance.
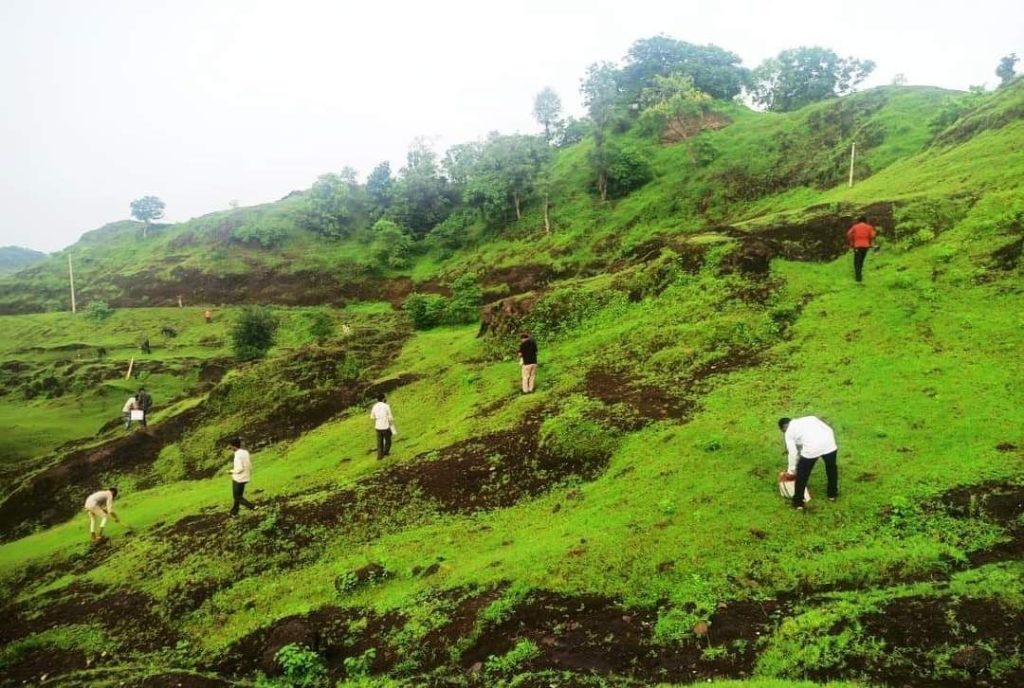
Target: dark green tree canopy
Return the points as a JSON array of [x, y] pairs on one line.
[[1007, 69], [423, 197], [713, 70], [380, 186], [334, 203], [800, 76]]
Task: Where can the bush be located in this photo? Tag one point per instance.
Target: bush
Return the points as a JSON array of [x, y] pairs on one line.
[[253, 333], [628, 170], [430, 310], [302, 667], [266, 232], [522, 652], [321, 326], [425, 309], [564, 309], [464, 306], [98, 311], [392, 247], [921, 221]]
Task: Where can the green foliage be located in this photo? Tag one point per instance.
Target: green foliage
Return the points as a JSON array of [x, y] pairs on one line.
[[562, 310], [147, 209], [98, 311], [800, 76], [302, 666], [425, 310], [253, 333], [321, 326], [360, 666], [430, 310], [955, 108], [422, 197], [392, 248], [547, 110], [921, 220], [521, 653], [576, 432], [266, 232], [619, 169], [1007, 69], [501, 175], [673, 102], [711, 69], [571, 132], [334, 204], [380, 187]]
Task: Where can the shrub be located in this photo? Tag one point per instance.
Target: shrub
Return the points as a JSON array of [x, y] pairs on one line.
[[564, 309], [464, 306], [266, 232], [253, 333], [360, 666], [628, 170], [392, 247], [922, 220], [302, 667], [98, 311], [522, 652], [321, 326], [425, 310]]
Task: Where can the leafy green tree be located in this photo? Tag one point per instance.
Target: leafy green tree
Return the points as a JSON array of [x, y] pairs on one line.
[[147, 209], [600, 89], [467, 296], [547, 110], [1007, 69], [380, 187], [673, 106], [333, 204], [713, 70], [505, 175], [423, 197], [571, 132], [459, 161], [392, 248], [98, 311], [253, 333], [266, 232], [800, 76], [627, 169]]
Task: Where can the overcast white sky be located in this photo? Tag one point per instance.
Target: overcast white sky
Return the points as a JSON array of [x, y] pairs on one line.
[[205, 101]]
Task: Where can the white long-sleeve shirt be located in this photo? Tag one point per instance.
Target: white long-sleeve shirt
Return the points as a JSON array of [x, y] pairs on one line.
[[381, 415], [129, 405], [808, 437], [104, 499], [242, 471]]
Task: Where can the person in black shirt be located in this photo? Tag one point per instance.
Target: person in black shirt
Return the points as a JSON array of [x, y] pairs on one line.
[[144, 402], [528, 361]]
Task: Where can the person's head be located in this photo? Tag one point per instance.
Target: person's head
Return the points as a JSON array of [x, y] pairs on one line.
[[783, 423], [381, 397], [524, 336], [862, 218], [235, 443], [112, 490]]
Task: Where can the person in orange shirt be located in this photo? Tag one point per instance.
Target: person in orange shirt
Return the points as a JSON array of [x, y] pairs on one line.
[[861, 238]]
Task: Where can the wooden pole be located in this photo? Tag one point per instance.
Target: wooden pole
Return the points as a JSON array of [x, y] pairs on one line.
[[71, 276], [130, 364], [853, 154]]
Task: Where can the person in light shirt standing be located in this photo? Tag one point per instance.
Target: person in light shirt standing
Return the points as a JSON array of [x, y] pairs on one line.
[[383, 423], [807, 440], [241, 474]]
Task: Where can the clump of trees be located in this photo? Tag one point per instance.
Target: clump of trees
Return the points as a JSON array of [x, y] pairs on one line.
[[1007, 69], [800, 76], [431, 310]]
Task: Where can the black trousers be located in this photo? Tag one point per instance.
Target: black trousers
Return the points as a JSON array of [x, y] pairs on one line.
[[803, 473], [238, 492], [859, 254], [383, 443]]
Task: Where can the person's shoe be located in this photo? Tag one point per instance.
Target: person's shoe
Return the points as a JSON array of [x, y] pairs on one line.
[[832, 499], [799, 508], [93, 537]]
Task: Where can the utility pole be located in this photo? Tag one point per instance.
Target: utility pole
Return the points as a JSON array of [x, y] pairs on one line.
[[71, 276], [853, 154]]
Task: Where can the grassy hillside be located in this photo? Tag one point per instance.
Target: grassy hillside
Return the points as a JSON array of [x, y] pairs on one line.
[[15, 258], [620, 527]]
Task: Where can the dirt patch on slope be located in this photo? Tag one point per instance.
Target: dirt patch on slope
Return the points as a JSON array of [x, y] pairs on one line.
[[595, 635], [41, 664], [997, 502], [523, 278]]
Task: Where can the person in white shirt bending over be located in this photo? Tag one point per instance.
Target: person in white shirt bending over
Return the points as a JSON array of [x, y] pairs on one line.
[[127, 409], [100, 505], [383, 423], [807, 440], [241, 473]]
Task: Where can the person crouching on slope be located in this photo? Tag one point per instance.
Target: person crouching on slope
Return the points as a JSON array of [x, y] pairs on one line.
[[241, 473], [100, 505], [807, 440], [861, 238], [126, 411]]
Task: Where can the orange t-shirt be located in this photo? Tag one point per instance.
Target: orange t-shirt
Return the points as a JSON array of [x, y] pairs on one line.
[[861, 235]]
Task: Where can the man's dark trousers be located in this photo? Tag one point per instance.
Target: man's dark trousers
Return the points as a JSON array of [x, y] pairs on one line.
[[383, 443], [238, 492], [803, 473], [859, 254]]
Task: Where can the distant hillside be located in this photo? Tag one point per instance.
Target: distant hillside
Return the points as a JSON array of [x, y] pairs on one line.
[[14, 258]]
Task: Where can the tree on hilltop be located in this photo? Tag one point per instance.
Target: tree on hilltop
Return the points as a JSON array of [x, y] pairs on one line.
[[800, 76], [713, 70], [547, 110], [147, 209], [1007, 69]]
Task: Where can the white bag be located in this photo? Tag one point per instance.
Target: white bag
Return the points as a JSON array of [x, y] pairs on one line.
[[138, 414], [394, 431], [787, 487]]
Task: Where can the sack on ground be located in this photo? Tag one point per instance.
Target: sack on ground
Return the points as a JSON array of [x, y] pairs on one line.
[[787, 485]]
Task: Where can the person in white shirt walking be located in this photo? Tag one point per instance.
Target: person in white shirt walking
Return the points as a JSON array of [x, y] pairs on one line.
[[383, 423], [807, 440], [241, 473], [127, 409], [100, 505]]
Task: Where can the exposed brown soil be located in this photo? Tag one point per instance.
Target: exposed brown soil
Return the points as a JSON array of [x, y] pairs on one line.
[[523, 278], [1000, 503], [178, 679], [128, 616], [596, 635], [39, 663], [331, 631], [505, 317], [1008, 257], [916, 630], [56, 493]]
